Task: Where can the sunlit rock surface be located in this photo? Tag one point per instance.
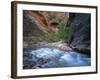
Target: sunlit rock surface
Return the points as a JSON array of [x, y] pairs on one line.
[[52, 57], [40, 22]]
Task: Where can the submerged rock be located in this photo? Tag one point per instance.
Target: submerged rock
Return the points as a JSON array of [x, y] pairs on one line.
[[53, 58]]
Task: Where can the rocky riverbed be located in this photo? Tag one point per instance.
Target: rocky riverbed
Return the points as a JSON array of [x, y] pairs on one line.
[[59, 45], [53, 57]]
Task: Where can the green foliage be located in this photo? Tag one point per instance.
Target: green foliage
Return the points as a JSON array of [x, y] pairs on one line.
[[62, 34], [52, 37]]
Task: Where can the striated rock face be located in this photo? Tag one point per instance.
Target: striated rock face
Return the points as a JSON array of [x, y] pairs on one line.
[[44, 21], [30, 28], [80, 34]]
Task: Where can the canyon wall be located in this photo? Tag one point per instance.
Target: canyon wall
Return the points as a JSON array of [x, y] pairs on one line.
[[80, 32], [43, 21]]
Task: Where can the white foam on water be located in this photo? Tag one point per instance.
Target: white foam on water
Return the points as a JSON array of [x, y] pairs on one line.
[[59, 58]]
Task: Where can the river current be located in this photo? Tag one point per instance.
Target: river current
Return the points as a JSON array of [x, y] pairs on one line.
[[53, 58]]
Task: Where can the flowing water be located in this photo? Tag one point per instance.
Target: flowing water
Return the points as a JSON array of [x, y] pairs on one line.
[[53, 58]]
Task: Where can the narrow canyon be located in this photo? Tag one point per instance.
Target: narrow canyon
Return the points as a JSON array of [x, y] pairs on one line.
[[56, 39]]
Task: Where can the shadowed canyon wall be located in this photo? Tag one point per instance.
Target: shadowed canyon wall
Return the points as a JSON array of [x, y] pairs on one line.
[[80, 32]]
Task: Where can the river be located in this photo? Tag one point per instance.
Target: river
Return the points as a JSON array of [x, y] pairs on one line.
[[53, 58]]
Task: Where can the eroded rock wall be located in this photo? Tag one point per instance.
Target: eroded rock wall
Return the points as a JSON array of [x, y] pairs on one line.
[[44, 21], [80, 32]]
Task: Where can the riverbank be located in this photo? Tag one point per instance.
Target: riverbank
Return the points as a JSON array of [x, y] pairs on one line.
[[59, 45]]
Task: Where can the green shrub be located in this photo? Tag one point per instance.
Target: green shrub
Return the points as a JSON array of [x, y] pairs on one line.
[[62, 34]]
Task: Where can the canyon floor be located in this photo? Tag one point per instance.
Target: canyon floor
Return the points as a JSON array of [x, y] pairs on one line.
[[53, 55]]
